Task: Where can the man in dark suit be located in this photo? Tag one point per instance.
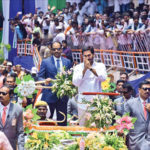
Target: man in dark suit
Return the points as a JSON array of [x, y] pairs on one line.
[[138, 108], [48, 70], [121, 101], [11, 122]]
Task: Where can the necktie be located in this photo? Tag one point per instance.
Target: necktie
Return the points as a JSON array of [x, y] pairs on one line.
[[58, 65], [145, 111], [4, 115]]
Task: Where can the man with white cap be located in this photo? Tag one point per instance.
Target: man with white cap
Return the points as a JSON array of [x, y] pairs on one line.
[[60, 35]]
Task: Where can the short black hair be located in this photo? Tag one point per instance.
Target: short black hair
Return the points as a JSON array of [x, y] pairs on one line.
[[125, 74], [118, 81], [10, 90], [88, 49], [143, 83], [127, 86]]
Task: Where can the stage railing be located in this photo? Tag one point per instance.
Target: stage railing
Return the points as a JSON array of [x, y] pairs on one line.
[[132, 60]]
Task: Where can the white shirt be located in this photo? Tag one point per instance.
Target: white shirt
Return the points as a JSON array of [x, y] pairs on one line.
[[1, 109], [90, 82], [59, 37], [60, 61]]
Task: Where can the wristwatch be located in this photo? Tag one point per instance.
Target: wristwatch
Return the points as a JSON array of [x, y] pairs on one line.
[[91, 69]]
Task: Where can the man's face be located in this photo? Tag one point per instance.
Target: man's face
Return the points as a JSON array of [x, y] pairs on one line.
[[18, 68], [10, 81], [127, 94], [123, 77], [144, 91], [119, 87], [89, 56], [57, 50], [4, 96], [42, 110]]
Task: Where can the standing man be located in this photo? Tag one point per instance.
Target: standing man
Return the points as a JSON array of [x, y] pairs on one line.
[[87, 77], [138, 108], [48, 70], [11, 122], [120, 102]]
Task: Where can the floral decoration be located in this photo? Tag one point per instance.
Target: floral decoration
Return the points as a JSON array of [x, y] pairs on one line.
[[29, 118], [25, 87], [125, 123], [44, 140], [100, 112], [63, 86], [108, 86]]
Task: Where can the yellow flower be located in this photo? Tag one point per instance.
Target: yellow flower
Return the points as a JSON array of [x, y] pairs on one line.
[[35, 135], [46, 136], [105, 84], [108, 148], [38, 141], [46, 145]]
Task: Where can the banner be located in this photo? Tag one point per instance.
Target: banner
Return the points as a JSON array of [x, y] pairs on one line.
[[1, 11], [59, 4], [5, 37], [14, 8], [41, 5], [29, 6]]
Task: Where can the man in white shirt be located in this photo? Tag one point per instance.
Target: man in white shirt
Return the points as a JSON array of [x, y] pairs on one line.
[[90, 7], [87, 77], [60, 35]]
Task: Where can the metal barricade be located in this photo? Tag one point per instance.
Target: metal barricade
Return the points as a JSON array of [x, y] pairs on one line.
[[120, 59], [24, 48], [130, 41]]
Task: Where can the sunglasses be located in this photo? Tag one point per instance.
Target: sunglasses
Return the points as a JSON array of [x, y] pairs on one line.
[[3, 93], [54, 49], [145, 89]]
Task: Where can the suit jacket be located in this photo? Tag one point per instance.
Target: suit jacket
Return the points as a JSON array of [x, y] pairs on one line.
[[49, 70], [138, 134], [145, 144], [119, 105], [13, 127]]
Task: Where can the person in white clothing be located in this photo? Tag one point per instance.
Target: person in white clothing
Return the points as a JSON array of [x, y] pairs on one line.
[[60, 35], [87, 77]]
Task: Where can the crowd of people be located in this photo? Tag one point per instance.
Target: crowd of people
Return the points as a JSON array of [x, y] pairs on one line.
[[88, 23], [55, 35]]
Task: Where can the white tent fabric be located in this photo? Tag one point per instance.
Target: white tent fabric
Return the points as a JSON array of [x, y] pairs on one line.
[[42, 5], [5, 37]]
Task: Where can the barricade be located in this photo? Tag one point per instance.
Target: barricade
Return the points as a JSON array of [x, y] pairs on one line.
[[111, 58], [129, 41]]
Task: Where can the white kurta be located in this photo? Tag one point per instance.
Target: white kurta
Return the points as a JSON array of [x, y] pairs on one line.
[[90, 82]]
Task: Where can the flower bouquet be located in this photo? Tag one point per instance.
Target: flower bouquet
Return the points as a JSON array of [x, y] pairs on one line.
[[125, 123], [100, 112], [29, 118], [25, 87], [63, 86]]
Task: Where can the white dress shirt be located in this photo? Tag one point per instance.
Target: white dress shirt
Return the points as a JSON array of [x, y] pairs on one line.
[[90, 82], [1, 109], [60, 61]]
